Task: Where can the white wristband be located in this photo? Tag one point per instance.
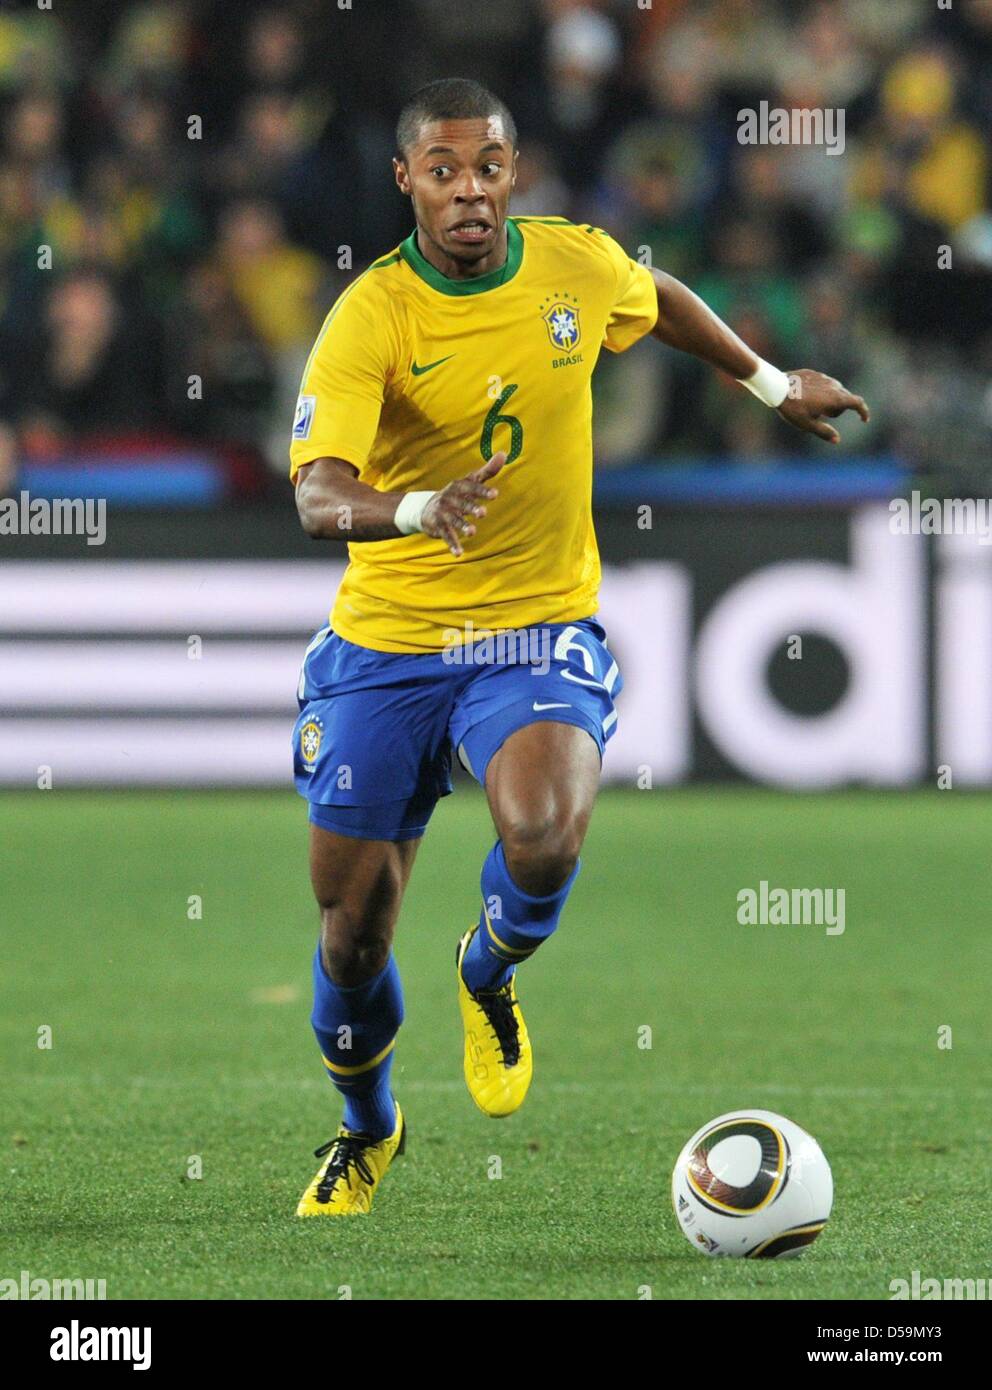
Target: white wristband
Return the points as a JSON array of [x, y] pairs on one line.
[[410, 511], [768, 384]]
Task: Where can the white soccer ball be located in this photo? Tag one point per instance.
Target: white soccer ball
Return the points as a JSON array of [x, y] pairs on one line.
[[752, 1184]]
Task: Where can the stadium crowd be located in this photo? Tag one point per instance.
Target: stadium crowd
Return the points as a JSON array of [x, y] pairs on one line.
[[185, 186]]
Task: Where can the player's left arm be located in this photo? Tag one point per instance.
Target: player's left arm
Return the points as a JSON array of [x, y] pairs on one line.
[[802, 397]]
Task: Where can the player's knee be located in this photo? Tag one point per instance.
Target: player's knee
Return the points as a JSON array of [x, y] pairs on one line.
[[356, 931], [352, 952], [540, 855]]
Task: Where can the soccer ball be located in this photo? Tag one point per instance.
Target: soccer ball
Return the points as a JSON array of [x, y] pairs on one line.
[[752, 1184]]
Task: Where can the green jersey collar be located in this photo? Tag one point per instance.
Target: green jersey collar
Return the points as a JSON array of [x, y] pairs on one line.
[[411, 253]]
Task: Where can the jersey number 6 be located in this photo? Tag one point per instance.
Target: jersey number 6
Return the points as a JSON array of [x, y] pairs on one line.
[[496, 417]]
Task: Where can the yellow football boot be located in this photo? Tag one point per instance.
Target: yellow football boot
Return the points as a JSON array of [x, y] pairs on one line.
[[498, 1059], [346, 1182]]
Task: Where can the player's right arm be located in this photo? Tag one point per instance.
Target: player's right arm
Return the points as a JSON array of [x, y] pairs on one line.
[[335, 505], [360, 350]]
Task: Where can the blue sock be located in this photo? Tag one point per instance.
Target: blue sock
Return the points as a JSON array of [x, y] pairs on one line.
[[356, 1029], [512, 926]]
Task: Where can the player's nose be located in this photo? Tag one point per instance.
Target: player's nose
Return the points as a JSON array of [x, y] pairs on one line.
[[469, 189]]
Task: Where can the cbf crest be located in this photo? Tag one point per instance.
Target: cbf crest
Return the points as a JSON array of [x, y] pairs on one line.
[[561, 317], [311, 736]]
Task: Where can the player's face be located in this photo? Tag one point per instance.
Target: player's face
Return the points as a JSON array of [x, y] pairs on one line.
[[459, 175]]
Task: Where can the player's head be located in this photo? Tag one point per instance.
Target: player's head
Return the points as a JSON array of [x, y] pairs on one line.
[[456, 155]]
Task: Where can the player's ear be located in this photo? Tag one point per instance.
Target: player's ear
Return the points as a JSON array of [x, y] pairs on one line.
[[513, 180], [401, 176]]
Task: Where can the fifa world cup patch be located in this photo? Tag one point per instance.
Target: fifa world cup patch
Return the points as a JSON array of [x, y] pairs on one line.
[[310, 739], [303, 419]]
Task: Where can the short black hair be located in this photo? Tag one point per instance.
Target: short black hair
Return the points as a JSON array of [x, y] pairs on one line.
[[450, 99]]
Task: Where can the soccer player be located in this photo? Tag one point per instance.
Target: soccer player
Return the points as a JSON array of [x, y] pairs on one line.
[[444, 430]]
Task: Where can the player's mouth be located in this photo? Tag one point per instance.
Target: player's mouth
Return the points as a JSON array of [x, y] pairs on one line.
[[471, 231]]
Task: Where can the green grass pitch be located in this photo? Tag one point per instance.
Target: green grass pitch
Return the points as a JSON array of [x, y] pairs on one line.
[[174, 1038]]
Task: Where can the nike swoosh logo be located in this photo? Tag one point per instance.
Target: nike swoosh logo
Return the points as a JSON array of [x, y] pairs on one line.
[[551, 706], [419, 371]]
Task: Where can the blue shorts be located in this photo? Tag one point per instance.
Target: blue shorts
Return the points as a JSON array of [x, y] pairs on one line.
[[374, 740]]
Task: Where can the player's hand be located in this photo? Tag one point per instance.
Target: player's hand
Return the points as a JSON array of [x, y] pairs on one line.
[[446, 514], [813, 396]]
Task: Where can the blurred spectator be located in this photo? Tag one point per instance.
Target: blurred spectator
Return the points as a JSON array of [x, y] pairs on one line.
[[152, 41], [824, 62], [749, 276], [583, 55], [539, 191], [222, 384], [923, 153], [845, 340], [652, 197], [33, 50], [275, 51], [33, 143], [77, 377], [762, 194], [970, 24], [276, 284]]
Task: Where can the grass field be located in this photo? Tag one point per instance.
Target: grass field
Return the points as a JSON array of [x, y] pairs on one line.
[[173, 1038]]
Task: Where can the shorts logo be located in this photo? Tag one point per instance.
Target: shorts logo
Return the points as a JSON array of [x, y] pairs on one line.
[[310, 738], [305, 407], [562, 321]]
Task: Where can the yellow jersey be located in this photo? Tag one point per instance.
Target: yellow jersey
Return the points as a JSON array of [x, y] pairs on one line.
[[417, 379]]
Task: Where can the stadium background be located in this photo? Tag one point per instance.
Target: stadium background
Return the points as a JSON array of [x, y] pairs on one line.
[[155, 363], [724, 535]]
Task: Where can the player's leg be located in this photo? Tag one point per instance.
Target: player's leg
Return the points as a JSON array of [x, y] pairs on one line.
[[541, 785], [358, 999], [357, 1010], [372, 759], [539, 760]]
